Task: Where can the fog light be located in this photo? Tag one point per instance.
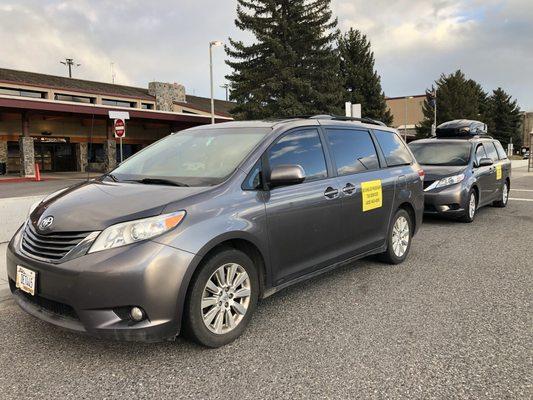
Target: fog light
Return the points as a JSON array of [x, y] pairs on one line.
[[136, 314]]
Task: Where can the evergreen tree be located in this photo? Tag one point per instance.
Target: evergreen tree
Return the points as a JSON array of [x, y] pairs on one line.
[[504, 123], [362, 84], [457, 98], [292, 67]]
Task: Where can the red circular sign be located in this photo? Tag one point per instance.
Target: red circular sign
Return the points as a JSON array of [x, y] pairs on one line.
[[120, 128]]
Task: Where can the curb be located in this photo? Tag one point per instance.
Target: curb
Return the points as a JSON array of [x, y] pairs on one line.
[[5, 293]]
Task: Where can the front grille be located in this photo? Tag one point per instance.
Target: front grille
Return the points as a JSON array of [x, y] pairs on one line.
[[427, 183], [52, 246]]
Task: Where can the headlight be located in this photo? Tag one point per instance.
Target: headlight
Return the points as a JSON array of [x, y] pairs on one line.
[[450, 180], [135, 231]]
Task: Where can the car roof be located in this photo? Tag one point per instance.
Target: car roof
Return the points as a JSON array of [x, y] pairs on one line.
[[289, 123], [454, 140]]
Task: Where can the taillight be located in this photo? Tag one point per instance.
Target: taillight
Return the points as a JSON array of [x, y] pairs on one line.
[[421, 174]]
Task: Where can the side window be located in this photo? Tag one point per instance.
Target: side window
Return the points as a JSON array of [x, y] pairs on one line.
[[253, 180], [501, 152], [393, 148], [491, 151], [480, 153], [352, 150], [302, 148]]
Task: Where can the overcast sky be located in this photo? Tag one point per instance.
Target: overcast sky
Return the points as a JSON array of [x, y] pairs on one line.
[[414, 40]]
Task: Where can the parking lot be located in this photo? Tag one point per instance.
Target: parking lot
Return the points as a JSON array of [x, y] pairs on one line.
[[453, 321]]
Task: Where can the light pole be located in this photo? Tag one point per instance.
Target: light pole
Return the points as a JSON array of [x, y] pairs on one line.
[[211, 45], [226, 86], [69, 62], [405, 120]]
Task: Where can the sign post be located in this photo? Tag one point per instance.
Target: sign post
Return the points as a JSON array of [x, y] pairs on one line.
[[119, 126], [120, 132]]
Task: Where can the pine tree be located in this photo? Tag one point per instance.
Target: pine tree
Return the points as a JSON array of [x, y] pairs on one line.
[[457, 98], [292, 67], [504, 123], [362, 84]]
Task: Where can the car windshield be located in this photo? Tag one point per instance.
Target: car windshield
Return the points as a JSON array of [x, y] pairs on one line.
[[441, 153], [199, 157]]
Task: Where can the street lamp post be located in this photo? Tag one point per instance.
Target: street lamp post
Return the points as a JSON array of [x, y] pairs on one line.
[[212, 44], [405, 120]]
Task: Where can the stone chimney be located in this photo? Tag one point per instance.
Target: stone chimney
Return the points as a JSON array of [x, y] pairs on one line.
[[166, 94]]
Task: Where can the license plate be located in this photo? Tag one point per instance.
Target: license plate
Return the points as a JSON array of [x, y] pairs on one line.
[[26, 280]]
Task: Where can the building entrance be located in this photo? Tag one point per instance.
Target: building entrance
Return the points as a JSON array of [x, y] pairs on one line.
[[55, 155]]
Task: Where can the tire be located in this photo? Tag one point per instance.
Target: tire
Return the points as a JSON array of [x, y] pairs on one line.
[[471, 207], [401, 226], [504, 198], [211, 326]]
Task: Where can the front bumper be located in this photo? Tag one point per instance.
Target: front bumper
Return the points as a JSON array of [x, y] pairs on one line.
[[449, 201], [91, 293]]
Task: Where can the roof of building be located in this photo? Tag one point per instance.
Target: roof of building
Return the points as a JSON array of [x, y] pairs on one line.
[[60, 82]]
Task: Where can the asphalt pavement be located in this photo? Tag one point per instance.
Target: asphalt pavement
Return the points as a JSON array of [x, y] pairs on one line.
[[453, 321]]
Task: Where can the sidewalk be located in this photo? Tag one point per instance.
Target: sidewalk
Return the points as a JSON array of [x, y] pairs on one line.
[[5, 293]]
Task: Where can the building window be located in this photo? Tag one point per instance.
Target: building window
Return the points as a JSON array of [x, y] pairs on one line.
[[95, 153], [75, 99], [118, 103], [22, 93], [147, 106]]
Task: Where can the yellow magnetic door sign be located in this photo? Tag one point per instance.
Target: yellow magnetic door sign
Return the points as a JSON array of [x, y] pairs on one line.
[[372, 195], [498, 171]]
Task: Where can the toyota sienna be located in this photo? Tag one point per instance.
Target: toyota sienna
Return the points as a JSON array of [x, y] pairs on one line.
[[188, 234]]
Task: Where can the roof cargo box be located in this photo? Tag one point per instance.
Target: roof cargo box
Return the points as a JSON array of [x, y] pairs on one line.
[[461, 128]]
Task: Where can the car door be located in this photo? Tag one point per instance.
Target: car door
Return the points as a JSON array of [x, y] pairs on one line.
[[303, 220], [483, 175], [495, 170], [367, 194]]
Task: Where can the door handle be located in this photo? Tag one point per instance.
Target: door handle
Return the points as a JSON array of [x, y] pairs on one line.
[[349, 189], [331, 193]]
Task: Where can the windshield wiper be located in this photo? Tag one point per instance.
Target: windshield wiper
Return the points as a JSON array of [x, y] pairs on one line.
[[158, 181], [110, 175]]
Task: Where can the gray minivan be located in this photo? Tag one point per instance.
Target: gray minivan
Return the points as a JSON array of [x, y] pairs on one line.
[[193, 230]]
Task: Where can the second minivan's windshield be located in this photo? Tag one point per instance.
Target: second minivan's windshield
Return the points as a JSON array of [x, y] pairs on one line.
[[441, 153], [199, 157]]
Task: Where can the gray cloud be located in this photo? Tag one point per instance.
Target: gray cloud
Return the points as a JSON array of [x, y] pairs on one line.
[[414, 40]]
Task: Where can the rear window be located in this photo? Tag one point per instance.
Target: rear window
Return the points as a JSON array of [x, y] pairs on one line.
[[393, 148], [441, 152], [501, 152], [352, 150]]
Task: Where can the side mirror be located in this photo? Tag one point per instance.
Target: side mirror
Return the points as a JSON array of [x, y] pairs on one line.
[[485, 162], [284, 175]]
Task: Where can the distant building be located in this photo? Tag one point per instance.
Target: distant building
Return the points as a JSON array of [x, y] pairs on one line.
[[62, 124], [407, 113]]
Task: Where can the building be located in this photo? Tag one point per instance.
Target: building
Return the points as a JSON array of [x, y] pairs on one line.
[[407, 113], [62, 124]]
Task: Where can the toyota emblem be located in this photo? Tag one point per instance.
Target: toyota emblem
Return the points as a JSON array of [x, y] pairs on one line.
[[46, 223]]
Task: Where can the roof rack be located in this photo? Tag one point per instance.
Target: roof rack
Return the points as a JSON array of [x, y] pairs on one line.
[[343, 118]]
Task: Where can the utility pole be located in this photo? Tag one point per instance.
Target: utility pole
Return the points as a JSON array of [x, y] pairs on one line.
[[69, 62], [113, 75], [405, 120], [226, 86], [212, 44]]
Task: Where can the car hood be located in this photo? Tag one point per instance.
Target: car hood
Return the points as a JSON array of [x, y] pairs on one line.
[[95, 205], [435, 172]]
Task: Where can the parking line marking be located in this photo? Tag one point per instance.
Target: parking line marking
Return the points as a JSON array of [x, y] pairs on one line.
[[522, 190], [519, 199]]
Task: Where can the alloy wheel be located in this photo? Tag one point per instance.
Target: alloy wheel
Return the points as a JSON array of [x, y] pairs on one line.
[[505, 194], [400, 236], [225, 298], [472, 206]]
